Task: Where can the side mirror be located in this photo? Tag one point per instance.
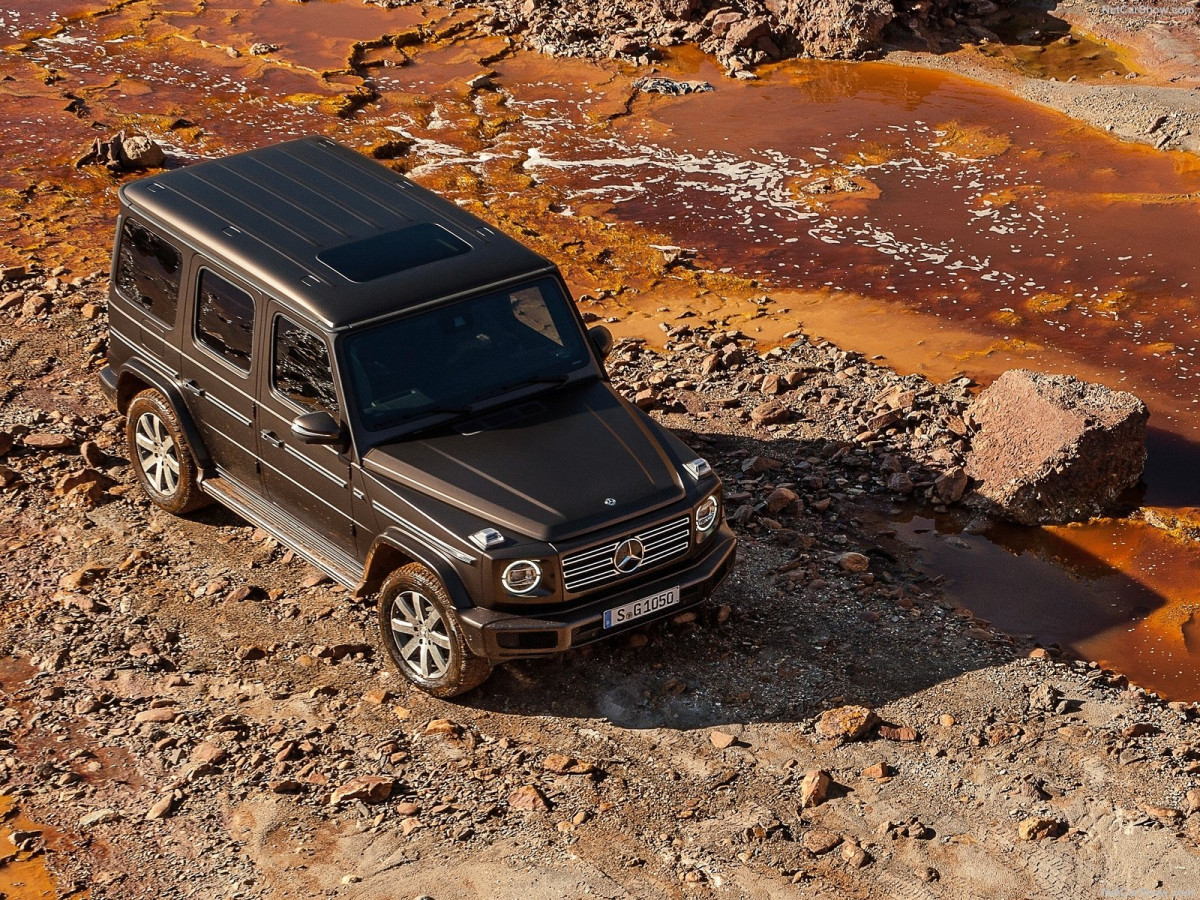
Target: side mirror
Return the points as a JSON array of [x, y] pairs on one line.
[[602, 339], [318, 428]]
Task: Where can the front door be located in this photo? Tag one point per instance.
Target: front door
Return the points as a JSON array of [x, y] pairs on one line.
[[311, 482], [217, 371]]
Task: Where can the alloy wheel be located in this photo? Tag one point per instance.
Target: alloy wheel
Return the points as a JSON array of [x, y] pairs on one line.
[[420, 635], [158, 454]]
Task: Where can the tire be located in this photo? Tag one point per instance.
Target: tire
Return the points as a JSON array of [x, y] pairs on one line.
[[422, 634], [160, 454]]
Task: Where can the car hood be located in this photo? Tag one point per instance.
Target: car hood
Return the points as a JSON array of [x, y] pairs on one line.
[[550, 467]]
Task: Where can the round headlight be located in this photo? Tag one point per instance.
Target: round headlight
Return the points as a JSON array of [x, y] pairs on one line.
[[522, 576], [706, 513]]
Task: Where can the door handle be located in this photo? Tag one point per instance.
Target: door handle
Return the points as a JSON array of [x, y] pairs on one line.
[[271, 438], [192, 387]]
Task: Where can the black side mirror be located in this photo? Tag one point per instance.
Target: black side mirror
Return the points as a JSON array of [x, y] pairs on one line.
[[318, 428], [602, 339]]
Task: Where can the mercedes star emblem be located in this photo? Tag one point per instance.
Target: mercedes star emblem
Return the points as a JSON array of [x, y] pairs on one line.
[[629, 555], [610, 501]]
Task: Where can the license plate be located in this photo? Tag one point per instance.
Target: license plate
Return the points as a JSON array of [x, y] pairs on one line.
[[639, 608]]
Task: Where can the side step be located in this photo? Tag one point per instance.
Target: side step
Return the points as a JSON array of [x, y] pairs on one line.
[[315, 548]]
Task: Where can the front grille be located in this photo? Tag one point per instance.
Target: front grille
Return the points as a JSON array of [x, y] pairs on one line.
[[594, 567]]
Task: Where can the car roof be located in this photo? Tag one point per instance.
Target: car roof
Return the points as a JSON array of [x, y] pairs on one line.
[[337, 236]]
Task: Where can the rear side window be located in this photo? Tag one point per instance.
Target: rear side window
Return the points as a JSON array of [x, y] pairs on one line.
[[225, 319], [301, 371], [148, 270]]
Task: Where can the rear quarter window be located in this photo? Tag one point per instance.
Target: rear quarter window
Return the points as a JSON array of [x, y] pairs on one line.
[[148, 270]]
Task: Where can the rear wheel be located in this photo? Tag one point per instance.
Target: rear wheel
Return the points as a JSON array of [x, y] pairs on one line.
[[422, 634], [160, 454]]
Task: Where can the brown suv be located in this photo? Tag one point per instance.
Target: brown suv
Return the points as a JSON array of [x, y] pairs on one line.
[[406, 398]]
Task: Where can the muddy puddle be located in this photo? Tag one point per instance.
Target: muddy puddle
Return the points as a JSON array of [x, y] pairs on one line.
[[939, 223], [1113, 592]]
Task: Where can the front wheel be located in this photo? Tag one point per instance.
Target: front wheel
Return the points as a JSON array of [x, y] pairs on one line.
[[423, 636]]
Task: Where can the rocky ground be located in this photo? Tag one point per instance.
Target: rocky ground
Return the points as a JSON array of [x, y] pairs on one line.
[[1156, 101], [191, 711]]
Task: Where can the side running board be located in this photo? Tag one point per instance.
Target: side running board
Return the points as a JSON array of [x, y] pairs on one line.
[[315, 548]]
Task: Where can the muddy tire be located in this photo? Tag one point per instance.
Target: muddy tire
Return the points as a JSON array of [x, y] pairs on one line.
[[422, 634], [160, 454]]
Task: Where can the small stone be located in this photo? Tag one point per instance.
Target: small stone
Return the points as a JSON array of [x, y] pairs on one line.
[[878, 771], [561, 764], [207, 753], [377, 696], [1044, 697], [47, 441], [442, 727], [246, 592], [367, 788], [946, 721], [901, 733], [351, 879], [407, 808], [250, 653], [819, 842], [161, 808], [782, 500], [98, 817], [1193, 801], [814, 788], [848, 723], [1165, 813], [853, 562], [162, 716], [1036, 828], [772, 412], [722, 740], [286, 786], [528, 797], [92, 454]]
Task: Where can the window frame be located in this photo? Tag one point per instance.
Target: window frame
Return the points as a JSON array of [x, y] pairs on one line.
[[276, 318], [181, 281], [255, 302]]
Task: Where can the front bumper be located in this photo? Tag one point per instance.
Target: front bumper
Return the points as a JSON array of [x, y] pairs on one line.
[[499, 636]]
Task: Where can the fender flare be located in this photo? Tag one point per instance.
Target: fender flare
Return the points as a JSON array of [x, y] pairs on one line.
[[160, 382], [417, 551]]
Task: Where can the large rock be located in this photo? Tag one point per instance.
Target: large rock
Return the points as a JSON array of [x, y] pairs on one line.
[[1053, 449]]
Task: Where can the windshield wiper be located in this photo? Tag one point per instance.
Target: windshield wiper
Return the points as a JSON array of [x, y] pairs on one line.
[[524, 382]]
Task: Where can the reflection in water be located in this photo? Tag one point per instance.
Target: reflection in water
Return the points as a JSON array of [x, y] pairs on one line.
[[1123, 594]]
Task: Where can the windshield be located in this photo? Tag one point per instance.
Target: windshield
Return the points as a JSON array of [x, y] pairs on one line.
[[447, 358]]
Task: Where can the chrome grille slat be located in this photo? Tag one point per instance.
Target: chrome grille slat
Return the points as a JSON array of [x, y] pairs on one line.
[[594, 566]]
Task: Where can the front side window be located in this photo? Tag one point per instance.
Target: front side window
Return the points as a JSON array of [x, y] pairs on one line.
[[148, 270], [225, 319], [301, 369], [446, 358]]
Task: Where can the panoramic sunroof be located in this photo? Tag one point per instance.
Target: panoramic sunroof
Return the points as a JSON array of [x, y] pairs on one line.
[[392, 252]]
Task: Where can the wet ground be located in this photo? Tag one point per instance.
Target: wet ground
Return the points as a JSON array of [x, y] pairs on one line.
[[945, 225]]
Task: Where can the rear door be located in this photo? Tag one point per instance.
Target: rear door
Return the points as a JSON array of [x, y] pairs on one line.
[[218, 371], [311, 482]]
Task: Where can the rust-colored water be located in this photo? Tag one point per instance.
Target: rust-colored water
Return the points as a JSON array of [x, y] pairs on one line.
[[946, 225], [1118, 593]]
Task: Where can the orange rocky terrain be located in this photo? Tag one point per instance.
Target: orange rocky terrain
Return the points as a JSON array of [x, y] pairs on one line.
[[191, 711]]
